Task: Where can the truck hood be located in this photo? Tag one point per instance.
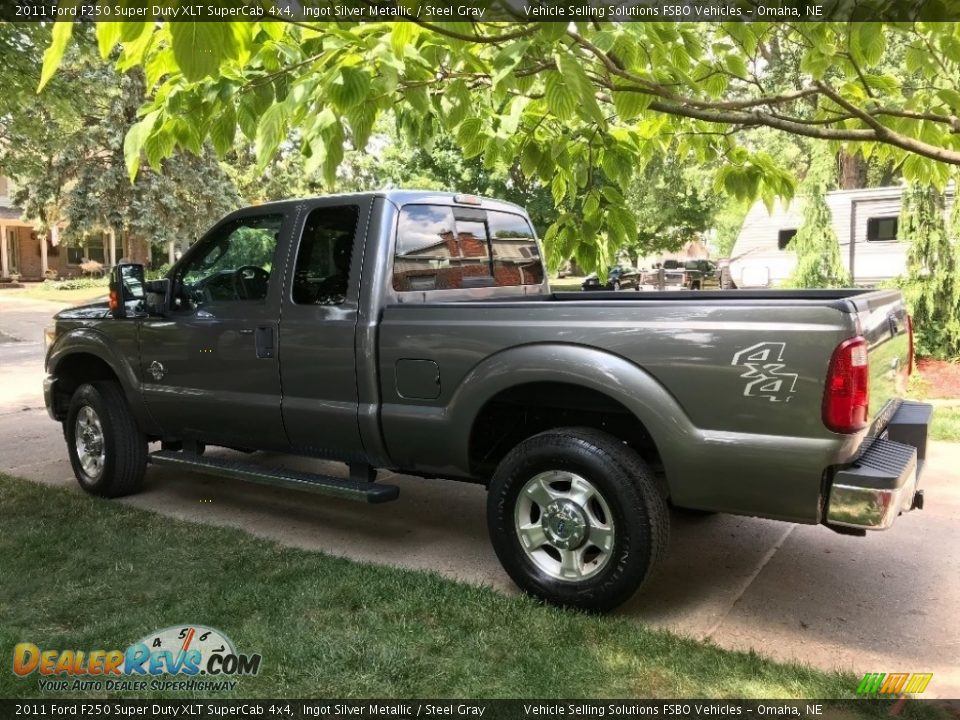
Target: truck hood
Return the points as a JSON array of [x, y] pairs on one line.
[[92, 311]]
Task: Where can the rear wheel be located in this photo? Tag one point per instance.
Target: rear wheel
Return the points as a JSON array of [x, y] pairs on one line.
[[108, 452], [576, 518]]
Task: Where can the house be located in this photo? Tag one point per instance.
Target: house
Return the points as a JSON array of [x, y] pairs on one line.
[[866, 223], [30, 254]]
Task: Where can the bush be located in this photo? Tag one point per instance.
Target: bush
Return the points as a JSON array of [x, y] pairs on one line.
[[157, 274], [92, 267], [77, 283]]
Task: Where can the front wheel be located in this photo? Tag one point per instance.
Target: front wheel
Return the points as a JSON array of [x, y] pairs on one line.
[[576, 518], [108, 452]]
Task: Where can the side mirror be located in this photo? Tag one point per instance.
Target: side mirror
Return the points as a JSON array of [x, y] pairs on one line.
[[126, 284]]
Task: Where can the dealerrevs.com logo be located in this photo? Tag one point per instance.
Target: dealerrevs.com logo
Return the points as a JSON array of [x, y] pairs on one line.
[[200, 658]]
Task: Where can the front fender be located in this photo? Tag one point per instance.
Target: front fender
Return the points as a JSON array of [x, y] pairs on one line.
[[119, 353]]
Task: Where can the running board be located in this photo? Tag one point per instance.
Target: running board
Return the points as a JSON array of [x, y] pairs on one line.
[[370, 492]]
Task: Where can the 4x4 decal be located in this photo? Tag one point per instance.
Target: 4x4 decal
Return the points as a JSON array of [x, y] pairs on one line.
[[764, 374]]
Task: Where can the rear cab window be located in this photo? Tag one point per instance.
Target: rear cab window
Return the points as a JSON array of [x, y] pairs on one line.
[[442, 247]]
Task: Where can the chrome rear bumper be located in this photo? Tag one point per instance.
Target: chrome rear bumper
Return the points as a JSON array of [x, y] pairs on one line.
[[883, 483]]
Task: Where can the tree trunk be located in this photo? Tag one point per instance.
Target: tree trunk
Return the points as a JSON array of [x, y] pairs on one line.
[[853, 170], [138, 250]]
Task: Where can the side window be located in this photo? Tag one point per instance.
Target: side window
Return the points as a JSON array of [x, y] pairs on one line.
[[322, 272], [448, 248], [784, 237], [233, 265], [516, 257], [881, 229]]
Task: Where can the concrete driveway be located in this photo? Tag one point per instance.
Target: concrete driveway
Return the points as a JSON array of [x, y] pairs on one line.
[[885, 603]]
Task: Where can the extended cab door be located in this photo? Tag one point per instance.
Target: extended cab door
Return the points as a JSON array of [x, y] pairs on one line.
[[210, 369], [318, 330]]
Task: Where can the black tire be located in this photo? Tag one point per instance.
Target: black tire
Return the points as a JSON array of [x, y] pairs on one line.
[[124, 445], [638, 510]]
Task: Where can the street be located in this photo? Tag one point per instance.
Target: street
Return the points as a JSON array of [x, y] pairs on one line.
[[889, 602]]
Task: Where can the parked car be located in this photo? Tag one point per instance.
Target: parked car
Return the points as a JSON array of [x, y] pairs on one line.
[[618, 278], [416, 332]]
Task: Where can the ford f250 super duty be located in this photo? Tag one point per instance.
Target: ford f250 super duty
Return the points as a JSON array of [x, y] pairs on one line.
[[416, 332]]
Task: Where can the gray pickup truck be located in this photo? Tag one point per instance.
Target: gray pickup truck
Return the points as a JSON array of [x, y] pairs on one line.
[[416, 332]]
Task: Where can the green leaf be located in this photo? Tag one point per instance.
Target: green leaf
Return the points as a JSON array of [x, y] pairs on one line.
[[402, 34], [867, 42], [736, 66], [561, 98], [271, 131], [223, 131], [507, 60], [201, 47], [581, 85], [108, 35], [361, 119], [630, 104], [158, 146], [511, 121], [349, 89], [558, 188], [529, 159], [134, 141], [916, 59], [53, 55], [418, 98], [816, 63], [334, 144]]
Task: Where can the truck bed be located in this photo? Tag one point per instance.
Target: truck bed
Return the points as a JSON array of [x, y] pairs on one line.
[[734, 374]]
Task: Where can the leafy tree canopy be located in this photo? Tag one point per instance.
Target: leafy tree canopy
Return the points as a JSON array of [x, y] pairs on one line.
[[584, 106], [931, 285], [65, 149]]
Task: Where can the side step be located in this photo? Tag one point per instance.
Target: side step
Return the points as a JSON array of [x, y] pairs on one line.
[[370, 492]]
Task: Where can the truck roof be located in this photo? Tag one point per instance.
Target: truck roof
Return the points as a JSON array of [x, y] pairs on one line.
[[402, 197]]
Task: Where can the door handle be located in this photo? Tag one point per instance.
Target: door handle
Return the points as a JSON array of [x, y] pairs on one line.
[[246, 331], [264, 342]]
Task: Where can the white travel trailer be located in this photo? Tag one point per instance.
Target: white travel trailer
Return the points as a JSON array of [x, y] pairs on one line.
[[865, 221]]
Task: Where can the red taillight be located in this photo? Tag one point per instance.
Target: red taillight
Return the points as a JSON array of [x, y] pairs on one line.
[[114, 301], [910, 346], [846, 395]]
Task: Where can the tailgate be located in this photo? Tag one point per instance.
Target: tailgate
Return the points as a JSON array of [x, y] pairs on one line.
[[885, 325]]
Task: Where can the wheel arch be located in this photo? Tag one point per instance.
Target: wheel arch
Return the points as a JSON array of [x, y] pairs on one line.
[[598, 383], [85, 356]]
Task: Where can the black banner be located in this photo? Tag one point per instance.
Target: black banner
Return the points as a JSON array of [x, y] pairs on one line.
[[480, 10], [519, 709]]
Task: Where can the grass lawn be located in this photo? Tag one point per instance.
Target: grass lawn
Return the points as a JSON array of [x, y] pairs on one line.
[[81, 573], [946, 423], [38, 291]]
